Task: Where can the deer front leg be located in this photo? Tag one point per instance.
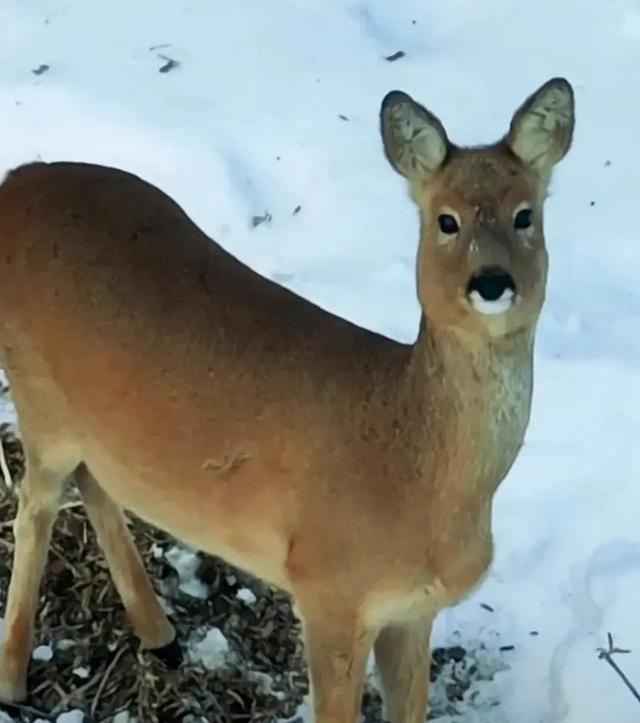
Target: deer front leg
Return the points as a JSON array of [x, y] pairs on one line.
[[337, 646], [403, 660]]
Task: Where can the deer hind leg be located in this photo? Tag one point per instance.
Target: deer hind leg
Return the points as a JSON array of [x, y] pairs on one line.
[[403, 661], [337, 646], [127, 570], [38, 504]]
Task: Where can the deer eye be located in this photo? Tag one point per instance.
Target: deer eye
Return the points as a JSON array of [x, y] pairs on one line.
[[448, 223], [523, 219]]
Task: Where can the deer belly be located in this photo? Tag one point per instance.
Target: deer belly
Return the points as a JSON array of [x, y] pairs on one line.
[[250, 535]]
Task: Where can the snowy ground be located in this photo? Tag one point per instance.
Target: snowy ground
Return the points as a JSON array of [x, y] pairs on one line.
[[273, 109]]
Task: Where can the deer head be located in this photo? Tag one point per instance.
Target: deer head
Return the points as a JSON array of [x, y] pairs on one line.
[[482, 262]]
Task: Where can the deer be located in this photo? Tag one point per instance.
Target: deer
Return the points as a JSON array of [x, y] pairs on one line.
[[165, 378]]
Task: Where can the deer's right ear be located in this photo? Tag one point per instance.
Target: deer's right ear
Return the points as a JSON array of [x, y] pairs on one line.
[[542, 128], [415, 141]]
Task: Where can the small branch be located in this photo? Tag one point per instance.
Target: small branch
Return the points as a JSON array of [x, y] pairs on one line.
[[76, 693], [105, 678], [607, 654], [169, 64]]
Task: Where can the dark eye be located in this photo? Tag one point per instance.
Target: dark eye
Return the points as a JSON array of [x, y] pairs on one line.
[[448, 224], [523, 219]]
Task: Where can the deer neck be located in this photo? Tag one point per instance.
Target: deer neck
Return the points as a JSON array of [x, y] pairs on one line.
[[472, 397]]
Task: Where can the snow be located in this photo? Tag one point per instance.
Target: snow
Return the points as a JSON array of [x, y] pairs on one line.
[[66, 644], [186, 563], [265, 682], [73, 716], [250, 124], [211, 651], [246, 595], [7, 410], [43, 653], [122, 717], [157, 551]]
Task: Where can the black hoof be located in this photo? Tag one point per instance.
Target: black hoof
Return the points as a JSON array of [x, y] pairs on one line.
[[170, 655]]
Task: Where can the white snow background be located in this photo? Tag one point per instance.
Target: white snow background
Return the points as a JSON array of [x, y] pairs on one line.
[[249, 122]]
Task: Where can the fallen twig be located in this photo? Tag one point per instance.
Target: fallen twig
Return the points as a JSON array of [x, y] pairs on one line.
[[257, 220], [75, 693], [104, 680], [169, 64], [607, 654]]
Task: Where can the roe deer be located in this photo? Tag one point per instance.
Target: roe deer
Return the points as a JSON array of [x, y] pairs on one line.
[[351, 470]]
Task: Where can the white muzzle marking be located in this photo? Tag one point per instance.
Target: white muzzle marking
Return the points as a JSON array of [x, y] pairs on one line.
[[497, 306]]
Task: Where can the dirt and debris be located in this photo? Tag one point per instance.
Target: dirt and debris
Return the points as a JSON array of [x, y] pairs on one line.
[[258, 220], [168, 65], [97, 667]]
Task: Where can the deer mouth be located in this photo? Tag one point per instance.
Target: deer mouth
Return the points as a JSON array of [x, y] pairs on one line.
[[491, 290]]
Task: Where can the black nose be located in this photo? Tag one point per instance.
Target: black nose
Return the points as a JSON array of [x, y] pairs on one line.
[[491, 283]]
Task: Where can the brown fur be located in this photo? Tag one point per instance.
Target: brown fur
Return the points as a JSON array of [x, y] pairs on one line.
[[171, 380]]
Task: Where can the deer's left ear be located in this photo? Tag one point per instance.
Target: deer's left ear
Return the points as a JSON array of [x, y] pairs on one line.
[[542, 128]]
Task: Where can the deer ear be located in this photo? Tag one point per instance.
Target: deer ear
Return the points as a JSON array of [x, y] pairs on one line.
[[415, 141], [542, 128]]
